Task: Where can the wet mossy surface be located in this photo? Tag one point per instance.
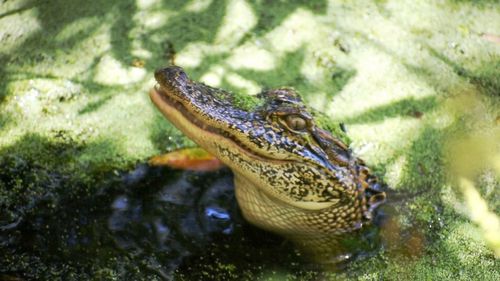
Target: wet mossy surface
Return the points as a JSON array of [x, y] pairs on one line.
[[415, 85]]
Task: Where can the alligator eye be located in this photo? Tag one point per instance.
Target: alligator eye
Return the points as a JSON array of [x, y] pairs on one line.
[[295, 122]]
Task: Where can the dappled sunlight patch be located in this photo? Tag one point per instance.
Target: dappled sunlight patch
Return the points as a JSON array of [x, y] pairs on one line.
[[110, 71], [377, 27], [53, 108], [128, 122], [319, 100], [146, 4], [248, 87], [326, 65], [20, 27], [262, 54], [394, 171], [378, 142], [29, 103], [238, 20], [197, 6], [423, 15], [153, 19], [252, 57], [442, 120], [40, 99], [69, 59], [214, 76], [194, 53], [141, 54], [294, 32], [380, 80], [151, 15]]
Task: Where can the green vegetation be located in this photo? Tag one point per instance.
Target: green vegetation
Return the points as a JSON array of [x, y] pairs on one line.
[[417, 84]]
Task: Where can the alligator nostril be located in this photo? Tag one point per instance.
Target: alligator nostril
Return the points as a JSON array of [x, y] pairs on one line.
[[171, 73], [175, 73], [180, 74]]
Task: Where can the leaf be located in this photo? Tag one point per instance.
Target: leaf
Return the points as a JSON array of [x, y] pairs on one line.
[[193, 159]]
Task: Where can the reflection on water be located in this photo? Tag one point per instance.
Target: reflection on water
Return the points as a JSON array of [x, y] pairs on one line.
[[172, 218], [144, 224]]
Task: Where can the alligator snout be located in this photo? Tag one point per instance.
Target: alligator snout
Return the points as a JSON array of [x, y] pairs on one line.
[[170, 75]]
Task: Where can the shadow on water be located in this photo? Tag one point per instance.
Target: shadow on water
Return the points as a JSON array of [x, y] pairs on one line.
[[486, 78], [290, 75], [193, 26], [407, 107], [273, 13]]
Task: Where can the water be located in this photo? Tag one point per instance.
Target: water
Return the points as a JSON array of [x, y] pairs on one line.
[[149, 223]]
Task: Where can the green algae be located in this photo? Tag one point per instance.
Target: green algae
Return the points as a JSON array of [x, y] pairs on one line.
[[247, 102], [72, 104]]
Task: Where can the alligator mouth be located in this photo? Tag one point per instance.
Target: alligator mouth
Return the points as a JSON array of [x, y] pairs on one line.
[[169, 97]]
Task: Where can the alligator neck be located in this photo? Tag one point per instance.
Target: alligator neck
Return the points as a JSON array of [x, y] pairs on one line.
[[288, 221]]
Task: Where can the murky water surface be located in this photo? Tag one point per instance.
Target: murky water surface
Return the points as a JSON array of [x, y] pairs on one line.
[[153, 222]]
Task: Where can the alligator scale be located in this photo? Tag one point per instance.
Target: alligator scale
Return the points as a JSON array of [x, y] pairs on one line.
[[291, 177]]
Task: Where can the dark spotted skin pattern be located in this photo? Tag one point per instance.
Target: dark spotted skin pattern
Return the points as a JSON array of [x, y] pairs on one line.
[[291, 177]]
